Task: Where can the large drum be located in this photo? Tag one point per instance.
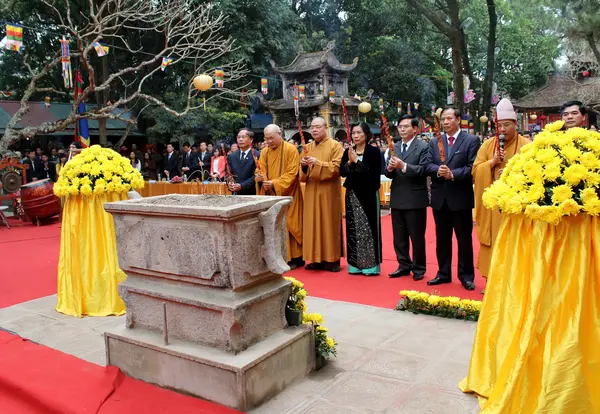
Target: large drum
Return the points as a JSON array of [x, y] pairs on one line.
[[39, 201]]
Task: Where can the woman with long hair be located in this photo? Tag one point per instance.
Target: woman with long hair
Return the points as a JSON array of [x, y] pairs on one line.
[[217, 164], [361, 166], [149, 167], [135, 162]]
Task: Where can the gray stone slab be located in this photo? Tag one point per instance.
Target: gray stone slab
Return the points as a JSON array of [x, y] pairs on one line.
[[423, 400]]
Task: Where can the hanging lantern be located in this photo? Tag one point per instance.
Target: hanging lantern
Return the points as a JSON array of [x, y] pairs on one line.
[[264, 86], [483, 119], [533, 117], [542, 117], [364, 107], [399, 107], [47, 101], [586, 73], [301, 89], [332, 96], [203, 82], [439, 111], [219, 77]]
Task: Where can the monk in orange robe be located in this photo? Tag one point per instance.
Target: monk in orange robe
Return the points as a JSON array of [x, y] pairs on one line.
[[278, 175], [320, 170], [491, 160]]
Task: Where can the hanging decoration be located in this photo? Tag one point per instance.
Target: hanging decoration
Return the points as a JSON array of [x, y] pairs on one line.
[[264, 86], [417, 106], [101, 50], [47, 102], [483, 118], [364, 108], [65, 59], [356, 96], [203, 83], [332, 96], [165, 62], [219, 77], [408, 108], [301, 90], [14, 37], [381, 105], [399, 107], [6, 94]]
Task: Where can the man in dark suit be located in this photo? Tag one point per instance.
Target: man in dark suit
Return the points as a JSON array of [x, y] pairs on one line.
[[171, 162], [452, 198], [409, 198], [242, 166], [204, 158], [34, 167], [189, 161]]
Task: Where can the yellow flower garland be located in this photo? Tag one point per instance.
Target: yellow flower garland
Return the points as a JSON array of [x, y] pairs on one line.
[[446, 306], [556, 175], [97, 170]]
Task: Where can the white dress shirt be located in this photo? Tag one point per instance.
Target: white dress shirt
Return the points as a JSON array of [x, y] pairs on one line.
[[407, 147]]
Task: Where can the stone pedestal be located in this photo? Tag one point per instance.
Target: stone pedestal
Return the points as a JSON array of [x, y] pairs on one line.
[[205, 297]]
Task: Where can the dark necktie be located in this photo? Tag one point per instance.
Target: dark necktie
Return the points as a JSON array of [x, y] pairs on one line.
[[451, 141], [404, 145]]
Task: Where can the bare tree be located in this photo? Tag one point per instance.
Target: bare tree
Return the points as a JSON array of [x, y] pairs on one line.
[[582, 60], [189, 34]]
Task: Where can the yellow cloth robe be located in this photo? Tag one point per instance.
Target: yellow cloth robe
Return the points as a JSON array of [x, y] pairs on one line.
[[537, 344], [488, 221], [322, 221], [281, 166]]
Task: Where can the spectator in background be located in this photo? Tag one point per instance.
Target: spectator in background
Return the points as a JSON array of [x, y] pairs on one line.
[[48, 168], [217, 165], [149, 167], [135, 161], [62, 160]]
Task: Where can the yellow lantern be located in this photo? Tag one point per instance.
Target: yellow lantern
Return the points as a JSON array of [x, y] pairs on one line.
[[203, 82], [439, 111], [483, 119], [533, 117], [364, 107]]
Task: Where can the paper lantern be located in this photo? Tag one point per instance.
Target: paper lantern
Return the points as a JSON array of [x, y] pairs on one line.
[[203, 82], [483, 119], [439, 111], [533, 117], [585, 73], [542, 117], [364, 107]]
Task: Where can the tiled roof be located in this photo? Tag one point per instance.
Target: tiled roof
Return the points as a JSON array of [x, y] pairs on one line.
[[558, 90]]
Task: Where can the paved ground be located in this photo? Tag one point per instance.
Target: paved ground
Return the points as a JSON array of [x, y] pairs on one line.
[[388, 361]]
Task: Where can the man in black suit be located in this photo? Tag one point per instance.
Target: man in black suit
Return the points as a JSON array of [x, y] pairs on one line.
[[204, 158], [189, 161], [34, 167], [242, 166], [409, 198], [171, 163], [452, 198]]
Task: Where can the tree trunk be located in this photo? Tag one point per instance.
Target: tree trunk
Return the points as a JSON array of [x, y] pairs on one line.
[[491, 59], [592, 42], [456, 42]]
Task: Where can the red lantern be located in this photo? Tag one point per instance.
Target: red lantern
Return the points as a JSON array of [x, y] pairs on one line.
[[585, 73], [543, 117]]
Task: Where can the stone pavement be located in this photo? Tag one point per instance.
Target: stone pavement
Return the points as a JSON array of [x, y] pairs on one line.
[[388, 361]]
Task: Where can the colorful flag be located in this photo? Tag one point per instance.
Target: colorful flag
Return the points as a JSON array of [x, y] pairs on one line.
[[399, 107], [165, 62], [101, 50], [381, 104], [301, 89], [66, 63], [332, 96], [47, 102], [82, 133], [14, 37], [264, 86], [219, 77]]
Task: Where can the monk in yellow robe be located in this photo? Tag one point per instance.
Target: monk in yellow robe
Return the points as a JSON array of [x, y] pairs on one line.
[[320, 170], [278, 175], [491, 160]]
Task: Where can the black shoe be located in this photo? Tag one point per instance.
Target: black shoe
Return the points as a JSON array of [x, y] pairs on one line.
[[296, 263], [333, 267], [418, 276], [400, 272], [438, 281], [315, 266], [469, 285]]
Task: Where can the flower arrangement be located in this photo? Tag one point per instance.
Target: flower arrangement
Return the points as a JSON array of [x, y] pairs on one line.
[[296, 299], [557, 175], [324, 344], [177, 179], [96, 171], [447, 307]]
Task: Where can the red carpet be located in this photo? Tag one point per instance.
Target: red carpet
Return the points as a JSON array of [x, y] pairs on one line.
[[381, 290], [29, 259], [36, 379]]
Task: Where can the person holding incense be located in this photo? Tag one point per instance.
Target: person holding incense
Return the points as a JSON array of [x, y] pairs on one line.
[[409, 198], [322, 219], [491, 159], [361, 166], [452, 198], [242, 166], [277, 174]]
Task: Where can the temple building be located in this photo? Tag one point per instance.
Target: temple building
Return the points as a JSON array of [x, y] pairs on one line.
[[320, 73]]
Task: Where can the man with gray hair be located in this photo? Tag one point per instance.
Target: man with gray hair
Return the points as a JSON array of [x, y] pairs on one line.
[[322, 227], [277, 174]]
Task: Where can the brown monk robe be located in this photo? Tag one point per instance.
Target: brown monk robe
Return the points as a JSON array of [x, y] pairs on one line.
[[487, 169], [322, 223], [279, 164]]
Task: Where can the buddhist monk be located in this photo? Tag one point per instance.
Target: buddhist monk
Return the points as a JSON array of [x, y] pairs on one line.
[[278, 175], [491, 160], [322, 223]]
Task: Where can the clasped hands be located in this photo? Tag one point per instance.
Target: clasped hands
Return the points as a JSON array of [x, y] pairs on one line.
[[267, 185], [396, 164], [306, 161], [445, 172]]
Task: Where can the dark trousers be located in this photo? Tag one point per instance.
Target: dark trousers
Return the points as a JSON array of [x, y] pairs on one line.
[[461, 222], [410, 225]]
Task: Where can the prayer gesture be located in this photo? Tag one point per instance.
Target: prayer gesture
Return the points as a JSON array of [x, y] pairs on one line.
[[234, 187], [445, 172], [352, 156], [268, 185], [259, 177], [306, 160], [395, 163]]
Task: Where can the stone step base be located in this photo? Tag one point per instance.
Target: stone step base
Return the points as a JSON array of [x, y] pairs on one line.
[[241, 381], [220, 318]]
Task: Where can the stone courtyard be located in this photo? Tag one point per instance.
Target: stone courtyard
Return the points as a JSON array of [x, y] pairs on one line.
[[388, 361]]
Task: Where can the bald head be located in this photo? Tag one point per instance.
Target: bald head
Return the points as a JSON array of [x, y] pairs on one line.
[[318, 129], [273, 136]]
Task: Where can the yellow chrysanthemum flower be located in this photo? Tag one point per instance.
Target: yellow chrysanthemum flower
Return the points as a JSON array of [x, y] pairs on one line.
[[592, 207], [561, 193], [552, 171], [574, 173], [330, 342], [555, 126], [588, 194]]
